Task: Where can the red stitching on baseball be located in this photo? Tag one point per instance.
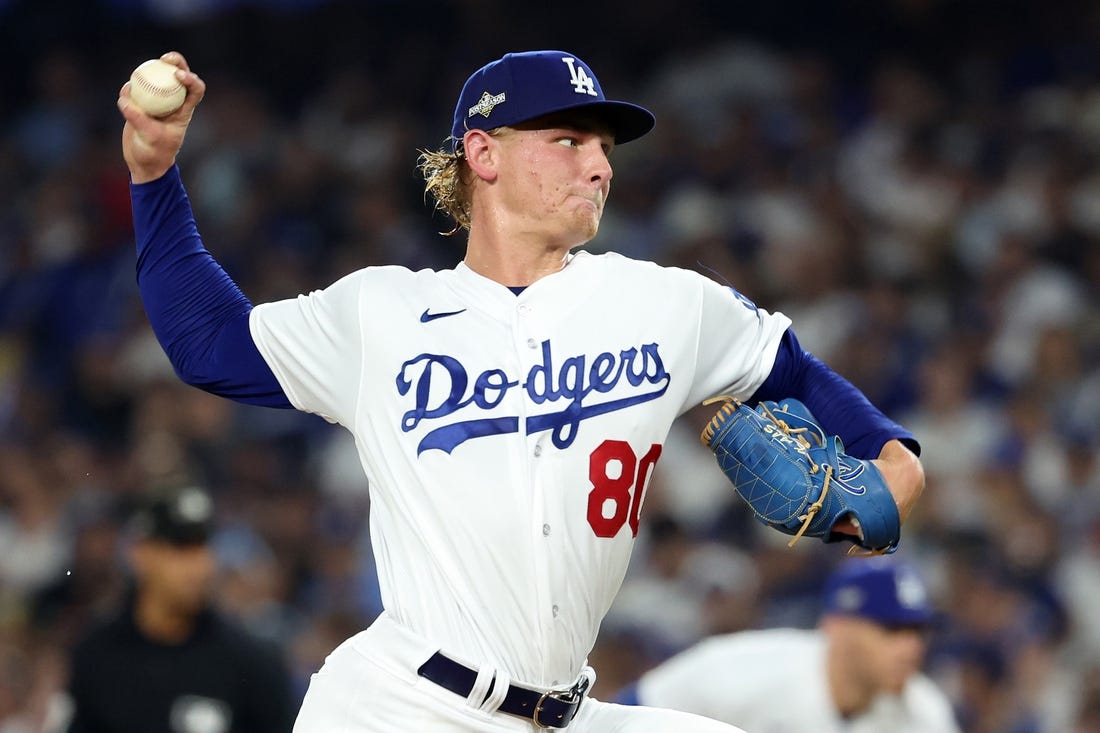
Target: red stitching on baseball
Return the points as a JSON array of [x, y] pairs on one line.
[[149, 86]]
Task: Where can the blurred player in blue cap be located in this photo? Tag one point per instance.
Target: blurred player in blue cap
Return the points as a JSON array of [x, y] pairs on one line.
[[858, 672]]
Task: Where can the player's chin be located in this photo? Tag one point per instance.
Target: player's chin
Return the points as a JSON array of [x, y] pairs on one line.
[[586, 225]]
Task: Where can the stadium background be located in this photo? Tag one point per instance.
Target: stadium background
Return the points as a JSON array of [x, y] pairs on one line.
[[916, 182]]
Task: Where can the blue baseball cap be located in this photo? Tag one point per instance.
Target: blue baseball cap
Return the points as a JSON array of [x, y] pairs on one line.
[[521, 86], [880, 589]]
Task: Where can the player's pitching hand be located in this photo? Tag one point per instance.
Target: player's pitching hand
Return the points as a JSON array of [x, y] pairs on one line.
[[150, 144]]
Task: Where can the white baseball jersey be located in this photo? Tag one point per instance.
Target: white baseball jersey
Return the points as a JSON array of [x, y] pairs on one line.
[[774, 681], [507, 441]]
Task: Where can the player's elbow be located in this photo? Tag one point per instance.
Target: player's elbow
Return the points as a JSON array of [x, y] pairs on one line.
[[229, 366], [191, 372]]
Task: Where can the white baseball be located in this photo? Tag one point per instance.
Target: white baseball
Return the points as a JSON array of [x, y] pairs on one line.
[[155, 88]]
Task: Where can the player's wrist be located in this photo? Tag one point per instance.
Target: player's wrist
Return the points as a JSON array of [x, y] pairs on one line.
[[903, 473], [141, 174]]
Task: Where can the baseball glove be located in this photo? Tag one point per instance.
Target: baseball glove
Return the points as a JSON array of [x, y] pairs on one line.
[[799, 480]]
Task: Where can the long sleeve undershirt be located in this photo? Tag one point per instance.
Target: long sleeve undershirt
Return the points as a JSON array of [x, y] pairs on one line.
[[839, 407], [197, 312]]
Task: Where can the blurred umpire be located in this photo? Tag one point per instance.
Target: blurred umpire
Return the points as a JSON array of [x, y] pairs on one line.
[[169, 663]]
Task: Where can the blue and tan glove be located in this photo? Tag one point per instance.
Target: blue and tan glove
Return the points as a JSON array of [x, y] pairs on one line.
[[797, 479]]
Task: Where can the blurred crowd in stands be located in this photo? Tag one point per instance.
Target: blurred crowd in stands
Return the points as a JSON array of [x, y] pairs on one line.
[[916, 183]]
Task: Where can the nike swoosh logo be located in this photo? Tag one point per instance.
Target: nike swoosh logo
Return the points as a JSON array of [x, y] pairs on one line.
[[426, 316]]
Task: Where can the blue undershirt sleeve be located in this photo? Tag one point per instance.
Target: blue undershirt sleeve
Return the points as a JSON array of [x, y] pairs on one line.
[[628, 695], [197, 312], [840, 408]]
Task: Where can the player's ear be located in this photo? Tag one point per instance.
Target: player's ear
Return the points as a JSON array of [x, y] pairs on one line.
[[482, 154]]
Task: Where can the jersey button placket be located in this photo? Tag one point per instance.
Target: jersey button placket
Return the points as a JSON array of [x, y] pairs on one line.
[[527, 331]]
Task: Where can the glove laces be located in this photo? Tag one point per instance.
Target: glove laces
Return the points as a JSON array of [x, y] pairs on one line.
[[798, 435]]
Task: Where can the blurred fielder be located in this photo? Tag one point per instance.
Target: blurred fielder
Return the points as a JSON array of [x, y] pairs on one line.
[[858, 672]]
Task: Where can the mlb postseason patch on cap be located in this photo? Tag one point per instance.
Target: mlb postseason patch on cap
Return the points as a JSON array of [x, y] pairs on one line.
[[522, 86], [485, 105], [881, 589]]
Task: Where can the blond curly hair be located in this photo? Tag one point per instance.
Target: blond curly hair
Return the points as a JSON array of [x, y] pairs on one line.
[[449, 180]]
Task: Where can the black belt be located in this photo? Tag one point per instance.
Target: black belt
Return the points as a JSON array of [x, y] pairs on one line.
[[553, 709]]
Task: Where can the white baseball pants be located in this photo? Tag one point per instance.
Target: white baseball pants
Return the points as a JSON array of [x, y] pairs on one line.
[[369, 684]]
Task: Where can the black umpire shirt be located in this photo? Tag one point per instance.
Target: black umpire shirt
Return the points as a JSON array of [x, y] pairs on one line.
[[220, 680]]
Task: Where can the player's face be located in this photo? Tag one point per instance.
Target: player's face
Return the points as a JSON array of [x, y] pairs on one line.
[[888, 657], [179, 575], [556, 177]]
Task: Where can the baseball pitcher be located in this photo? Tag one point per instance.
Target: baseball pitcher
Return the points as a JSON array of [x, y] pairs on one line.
[[508, 412]]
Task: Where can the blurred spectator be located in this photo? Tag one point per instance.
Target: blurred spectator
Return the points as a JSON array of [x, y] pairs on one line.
[[33, 542], [168, 661]]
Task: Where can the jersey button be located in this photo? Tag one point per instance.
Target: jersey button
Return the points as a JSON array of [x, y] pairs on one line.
[[538, 451], [524, 309], [546, 530], [532, 344], [554, 610]]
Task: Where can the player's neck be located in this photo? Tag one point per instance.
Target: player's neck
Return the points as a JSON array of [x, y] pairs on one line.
[[514, 261]]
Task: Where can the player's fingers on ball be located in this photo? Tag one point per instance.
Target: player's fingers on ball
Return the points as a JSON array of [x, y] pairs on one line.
[[196, 87], [126, 105], [176, 59], [135, 115], [126, 102]]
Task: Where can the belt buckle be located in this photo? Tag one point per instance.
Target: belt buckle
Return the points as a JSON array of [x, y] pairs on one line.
[[572, 696]]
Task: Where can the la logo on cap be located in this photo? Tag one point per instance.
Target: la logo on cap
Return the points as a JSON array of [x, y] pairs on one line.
[[582, 82], [910, 591]]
